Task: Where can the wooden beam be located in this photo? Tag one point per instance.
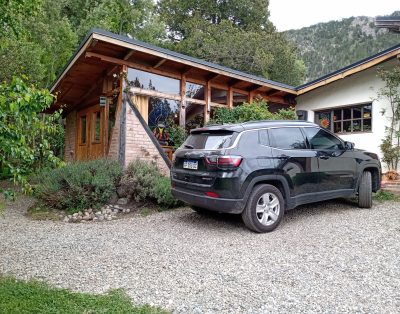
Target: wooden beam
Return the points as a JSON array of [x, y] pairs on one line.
[[212, 76], [147, 92], [187, 70], [182, 111], [272, 92], [126, 57], [234, 82], [254, 88], [207, 107], [230, 98], [133, 65], [159, 63], [161, 54]]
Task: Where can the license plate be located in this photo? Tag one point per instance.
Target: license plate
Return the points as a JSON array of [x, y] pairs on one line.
[[191, 164]]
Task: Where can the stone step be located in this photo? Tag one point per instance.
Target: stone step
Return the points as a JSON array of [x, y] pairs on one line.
[[394, 191]]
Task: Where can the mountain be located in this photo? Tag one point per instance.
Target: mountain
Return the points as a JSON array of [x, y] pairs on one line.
[[326, 47]]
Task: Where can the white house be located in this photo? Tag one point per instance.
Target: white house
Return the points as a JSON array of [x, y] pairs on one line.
[[346, 101]]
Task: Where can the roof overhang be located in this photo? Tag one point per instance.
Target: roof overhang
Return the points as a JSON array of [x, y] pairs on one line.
[[103, 53]]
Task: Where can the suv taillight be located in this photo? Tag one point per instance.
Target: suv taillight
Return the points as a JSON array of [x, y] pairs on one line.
[[224, 162]]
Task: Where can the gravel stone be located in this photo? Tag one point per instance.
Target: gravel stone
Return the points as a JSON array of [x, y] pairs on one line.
[[324, 258]]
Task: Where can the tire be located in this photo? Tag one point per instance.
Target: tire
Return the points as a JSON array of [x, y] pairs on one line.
[[258, 215], [365, 191]]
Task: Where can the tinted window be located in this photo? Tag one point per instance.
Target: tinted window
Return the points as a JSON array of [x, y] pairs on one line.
[[209, 140], [287, 138], [320, 139], [263, 137]]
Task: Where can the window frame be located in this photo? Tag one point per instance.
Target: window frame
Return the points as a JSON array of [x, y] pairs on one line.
[[342, 120]]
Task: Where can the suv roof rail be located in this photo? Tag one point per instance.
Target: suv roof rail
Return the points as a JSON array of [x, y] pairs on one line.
[[277, 121]]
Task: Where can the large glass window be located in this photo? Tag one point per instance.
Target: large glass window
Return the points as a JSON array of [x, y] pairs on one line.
[[287, 138], [194, 91], [219, 96], [150, 81], [83, 130], [163, 114], [346, 119], [320, 139], [239, 99], [97, 125]]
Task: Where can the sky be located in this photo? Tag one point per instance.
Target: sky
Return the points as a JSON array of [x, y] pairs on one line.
[[293, 14]]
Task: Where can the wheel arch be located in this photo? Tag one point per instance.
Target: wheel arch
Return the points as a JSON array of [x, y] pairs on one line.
[[276, 180], [376, 176]]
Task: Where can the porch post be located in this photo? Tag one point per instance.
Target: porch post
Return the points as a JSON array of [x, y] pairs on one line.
[[207, 107], [182, 111]]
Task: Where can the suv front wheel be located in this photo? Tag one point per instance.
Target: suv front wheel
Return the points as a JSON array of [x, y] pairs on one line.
[[365, 190], [264, 210]]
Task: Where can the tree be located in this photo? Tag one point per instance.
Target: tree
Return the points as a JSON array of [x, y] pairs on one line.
[[236, 34], [390, 146], [13, 12], [24, 131], [136, 18]]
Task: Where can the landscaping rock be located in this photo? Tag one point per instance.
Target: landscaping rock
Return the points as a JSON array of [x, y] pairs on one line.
[[122, 201]]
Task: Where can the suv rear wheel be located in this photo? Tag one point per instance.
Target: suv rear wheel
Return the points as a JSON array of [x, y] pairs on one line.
[[365, 190], [264, 210]]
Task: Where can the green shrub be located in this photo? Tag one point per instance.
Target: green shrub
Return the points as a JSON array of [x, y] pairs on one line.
[[142, 181], [78, 185], [162, 193], [250, 112]]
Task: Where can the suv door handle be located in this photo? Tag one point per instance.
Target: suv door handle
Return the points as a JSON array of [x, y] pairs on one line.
[[324, 157]]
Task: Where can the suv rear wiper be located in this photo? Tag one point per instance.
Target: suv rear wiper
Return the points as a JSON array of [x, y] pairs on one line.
[[188, 146]]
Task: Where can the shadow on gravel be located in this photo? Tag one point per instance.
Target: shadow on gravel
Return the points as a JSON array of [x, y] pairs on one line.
[[215, 220]]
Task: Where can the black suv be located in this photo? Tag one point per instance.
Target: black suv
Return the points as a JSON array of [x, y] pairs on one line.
[[260, 169]]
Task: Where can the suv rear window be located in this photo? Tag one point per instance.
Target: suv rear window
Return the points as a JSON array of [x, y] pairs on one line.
[[209, 140]]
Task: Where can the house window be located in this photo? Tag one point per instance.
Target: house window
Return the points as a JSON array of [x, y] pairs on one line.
[[195, 91], [154, 82], [83, 130], [97, 124], [346, 119]]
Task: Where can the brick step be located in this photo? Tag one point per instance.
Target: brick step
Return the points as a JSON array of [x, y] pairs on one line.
[[390, 185]]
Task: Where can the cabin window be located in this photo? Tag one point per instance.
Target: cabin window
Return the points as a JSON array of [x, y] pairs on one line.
[[155, 82], [219, 96], [195, 91], [349, 119], [163, 114], [83, 129], [97, 127], [239, 99]]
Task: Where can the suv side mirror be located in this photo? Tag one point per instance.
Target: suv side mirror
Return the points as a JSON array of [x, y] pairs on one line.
[[349, 145]]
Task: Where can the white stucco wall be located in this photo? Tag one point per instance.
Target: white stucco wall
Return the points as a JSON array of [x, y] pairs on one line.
[[356, 89]]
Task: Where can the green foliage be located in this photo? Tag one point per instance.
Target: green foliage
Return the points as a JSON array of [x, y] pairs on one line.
[[177, 134], [144, 182], [235, 33], [78, 186], [384, 196], [24, 132], [250, 112], [390, 146], [326, 47], [17, 296], [13, 13], [162, 193]]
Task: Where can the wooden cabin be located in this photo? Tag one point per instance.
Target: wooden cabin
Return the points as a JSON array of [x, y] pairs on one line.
[[119, 95]]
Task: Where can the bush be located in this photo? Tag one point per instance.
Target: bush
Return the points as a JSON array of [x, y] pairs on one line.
[[250, 112], [162, 193], [142, 181], [78, 185]]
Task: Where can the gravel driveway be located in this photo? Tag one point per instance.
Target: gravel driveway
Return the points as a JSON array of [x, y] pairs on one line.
[[327, 258]]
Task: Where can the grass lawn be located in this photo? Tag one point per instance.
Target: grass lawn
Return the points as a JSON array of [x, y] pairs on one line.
[[21, 297]]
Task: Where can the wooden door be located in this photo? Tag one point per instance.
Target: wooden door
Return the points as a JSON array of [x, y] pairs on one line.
[[91, 133]]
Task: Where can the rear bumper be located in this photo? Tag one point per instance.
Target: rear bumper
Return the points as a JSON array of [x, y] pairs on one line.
[[223, 205]]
